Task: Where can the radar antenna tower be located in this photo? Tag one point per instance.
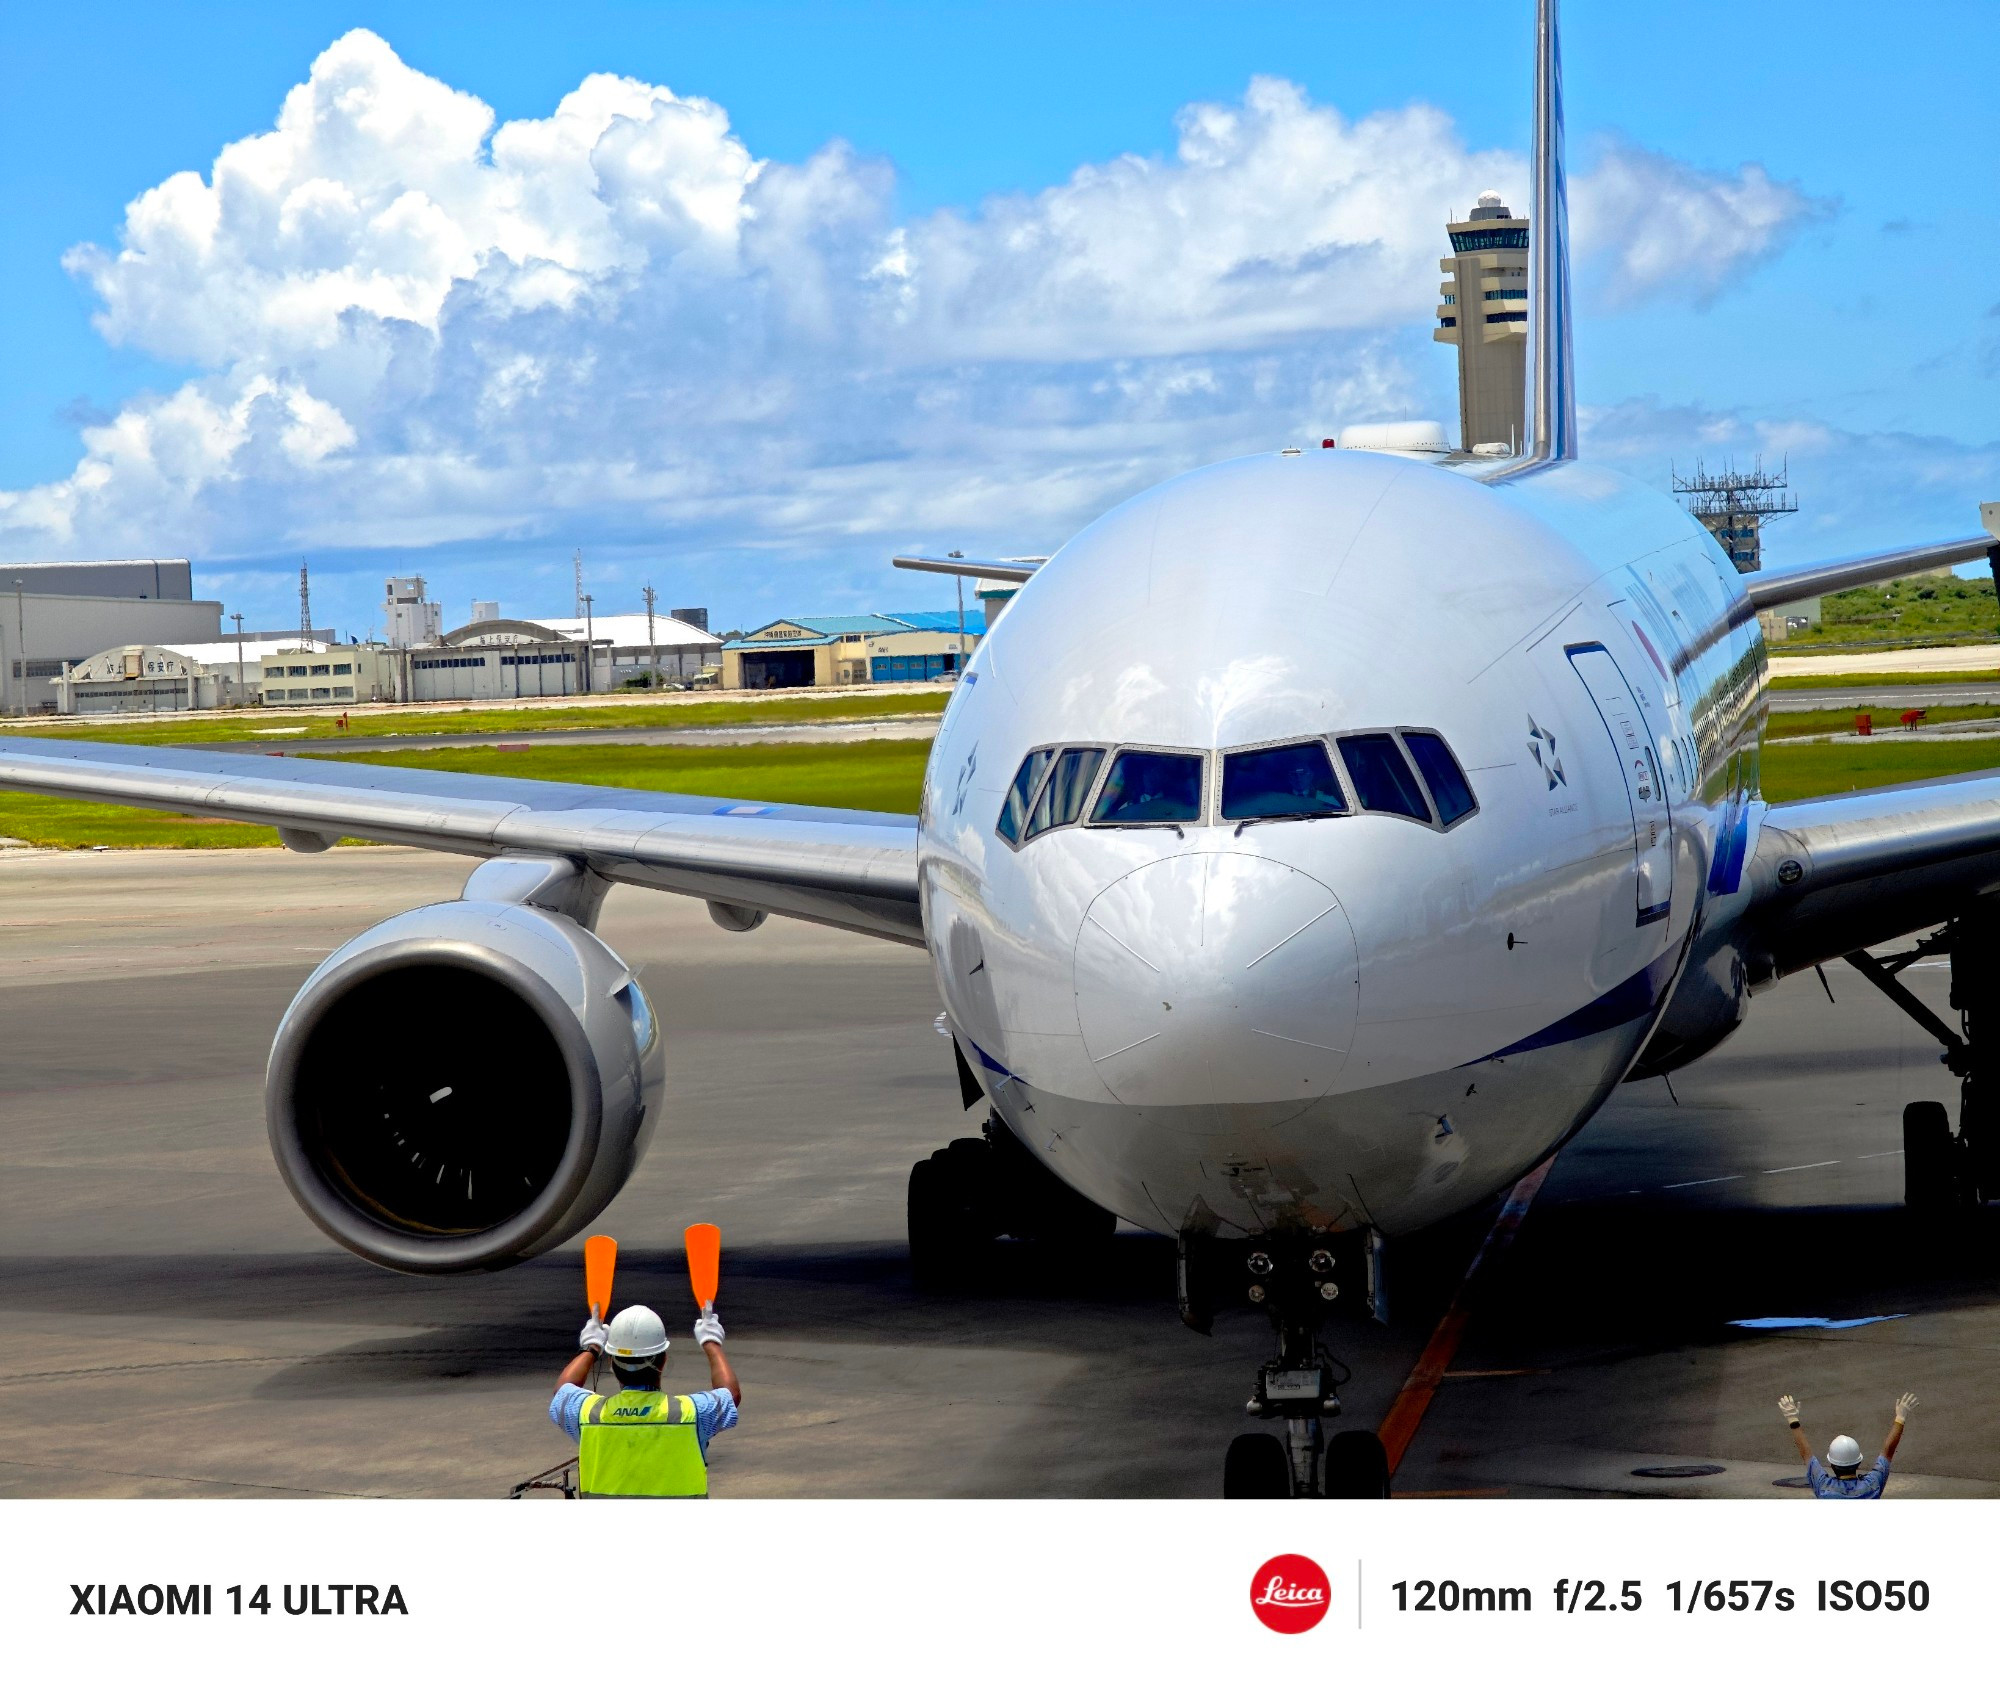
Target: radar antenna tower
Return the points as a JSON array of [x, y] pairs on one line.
[[1733, 505]]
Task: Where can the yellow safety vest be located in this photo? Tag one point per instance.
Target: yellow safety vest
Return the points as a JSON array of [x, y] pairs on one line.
[[639, 1444]]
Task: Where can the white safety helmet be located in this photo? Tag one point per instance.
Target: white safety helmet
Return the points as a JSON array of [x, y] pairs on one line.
[[637, 1335], [1842, 1453]]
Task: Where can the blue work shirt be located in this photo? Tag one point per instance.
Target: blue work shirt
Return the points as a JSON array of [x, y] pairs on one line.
[[1826, 1484], [714, 1412]]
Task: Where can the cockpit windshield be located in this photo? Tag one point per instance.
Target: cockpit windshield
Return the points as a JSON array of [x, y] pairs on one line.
[[1280, 781], [1063, 795], [1151, 787], [1014, 813], [1449, 788], [1383, 779]]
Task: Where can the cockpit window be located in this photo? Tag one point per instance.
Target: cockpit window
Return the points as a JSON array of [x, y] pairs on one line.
[[1151, 787], [1063, 794], [1447, 782], [1280, 781], [1382, 777], [1019, 796]]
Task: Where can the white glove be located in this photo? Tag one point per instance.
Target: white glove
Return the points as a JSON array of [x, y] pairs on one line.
[[1904, 1405], [594, 1335], [1788, 1406], [708, 1329]]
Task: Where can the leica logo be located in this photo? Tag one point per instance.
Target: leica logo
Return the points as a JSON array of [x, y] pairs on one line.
[[1289, 1593]]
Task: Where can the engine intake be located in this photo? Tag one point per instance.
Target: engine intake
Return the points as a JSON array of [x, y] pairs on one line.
[[463, 1086]]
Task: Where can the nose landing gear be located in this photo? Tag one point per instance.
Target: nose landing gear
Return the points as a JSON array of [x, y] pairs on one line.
[[1294, 1279]]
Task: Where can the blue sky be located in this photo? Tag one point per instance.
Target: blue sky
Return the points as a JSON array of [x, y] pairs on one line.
[[904, 292]]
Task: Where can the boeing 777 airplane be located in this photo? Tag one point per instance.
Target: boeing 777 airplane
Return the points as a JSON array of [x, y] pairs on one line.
[[1282, 944]]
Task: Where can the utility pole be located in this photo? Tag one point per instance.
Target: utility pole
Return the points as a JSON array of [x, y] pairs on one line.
[[589, 633], [652, 640], [237, 618], [20, 652]]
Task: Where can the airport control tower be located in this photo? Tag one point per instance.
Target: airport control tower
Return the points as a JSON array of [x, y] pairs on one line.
[[1484, 313]]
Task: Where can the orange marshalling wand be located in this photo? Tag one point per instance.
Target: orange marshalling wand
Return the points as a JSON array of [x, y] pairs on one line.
[[600, 1258], [704, 1253]]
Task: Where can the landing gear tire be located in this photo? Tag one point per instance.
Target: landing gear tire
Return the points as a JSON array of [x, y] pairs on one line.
[[1356, 1466], [1256, 1466], [1930, 1180], [949, 1229], [975, 1191]]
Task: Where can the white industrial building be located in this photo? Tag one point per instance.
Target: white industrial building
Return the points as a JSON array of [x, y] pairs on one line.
[[408, 618], [54, 614], [216, 674], [519, 658], [294, 673]]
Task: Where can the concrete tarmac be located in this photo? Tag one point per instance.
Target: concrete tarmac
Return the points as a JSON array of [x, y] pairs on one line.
[[1885, 700], [171, 1324]]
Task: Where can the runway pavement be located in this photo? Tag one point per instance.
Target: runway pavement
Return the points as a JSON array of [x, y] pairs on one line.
[[1899, 697], [170, 1324]]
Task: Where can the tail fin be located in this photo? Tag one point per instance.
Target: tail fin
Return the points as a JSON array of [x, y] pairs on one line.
[[1551, 399]]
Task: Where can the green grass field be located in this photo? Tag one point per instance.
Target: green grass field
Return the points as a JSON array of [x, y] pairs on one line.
[[1924, 610], [866, 775], [1808, 771], [206, 727], [863, 775], [1795, 724]]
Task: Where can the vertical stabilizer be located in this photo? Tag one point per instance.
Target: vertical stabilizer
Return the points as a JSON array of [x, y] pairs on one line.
[[1551, 419]]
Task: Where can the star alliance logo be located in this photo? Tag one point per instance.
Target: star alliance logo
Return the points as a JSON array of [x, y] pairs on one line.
[[965, 781], [1542, 748]]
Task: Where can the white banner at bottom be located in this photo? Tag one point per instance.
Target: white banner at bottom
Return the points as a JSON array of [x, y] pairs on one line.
[[996, 1593]]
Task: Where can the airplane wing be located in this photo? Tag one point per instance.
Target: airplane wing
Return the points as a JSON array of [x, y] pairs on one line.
[[1832, 875], [853, 869], [1767, 589]]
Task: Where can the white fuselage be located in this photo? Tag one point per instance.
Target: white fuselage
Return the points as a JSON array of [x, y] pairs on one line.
[[1359, 1019]]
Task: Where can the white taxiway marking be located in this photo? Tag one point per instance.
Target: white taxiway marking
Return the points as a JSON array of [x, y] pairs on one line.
[[1793, 1168]]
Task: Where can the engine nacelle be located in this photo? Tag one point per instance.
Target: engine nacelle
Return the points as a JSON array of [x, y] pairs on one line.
[[463, 1086]]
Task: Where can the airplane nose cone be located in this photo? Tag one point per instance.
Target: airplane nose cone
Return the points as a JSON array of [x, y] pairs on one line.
[[1216, 978]]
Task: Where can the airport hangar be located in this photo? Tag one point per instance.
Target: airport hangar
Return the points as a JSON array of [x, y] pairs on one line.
[[55, 616], [848, 651], [515, 658]]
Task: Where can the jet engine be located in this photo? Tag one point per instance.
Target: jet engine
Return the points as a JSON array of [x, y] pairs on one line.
[[464, 1086]]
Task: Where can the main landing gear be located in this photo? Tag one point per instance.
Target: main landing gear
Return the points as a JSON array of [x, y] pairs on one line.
[[1295, 1279], [974, 1192], [1945, 1170]]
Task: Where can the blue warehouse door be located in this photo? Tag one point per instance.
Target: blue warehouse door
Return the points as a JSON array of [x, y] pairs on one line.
[[1645, 791]]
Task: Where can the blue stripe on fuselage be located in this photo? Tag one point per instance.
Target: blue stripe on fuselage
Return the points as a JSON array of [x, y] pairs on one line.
[[1630, 999]]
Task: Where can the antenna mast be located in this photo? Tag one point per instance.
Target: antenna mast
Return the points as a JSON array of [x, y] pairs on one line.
[[578, 561], [1734, 505], [652, 641], [305, 608]]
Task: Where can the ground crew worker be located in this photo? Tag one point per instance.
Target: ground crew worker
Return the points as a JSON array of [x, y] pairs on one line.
[[641, 1441], [1843, 1456]]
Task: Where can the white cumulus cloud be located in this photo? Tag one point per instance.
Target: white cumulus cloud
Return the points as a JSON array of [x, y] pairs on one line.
[[405, 325], [1658, 225]]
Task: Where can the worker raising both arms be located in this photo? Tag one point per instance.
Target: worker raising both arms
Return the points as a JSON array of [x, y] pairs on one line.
[[642, 1441]]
